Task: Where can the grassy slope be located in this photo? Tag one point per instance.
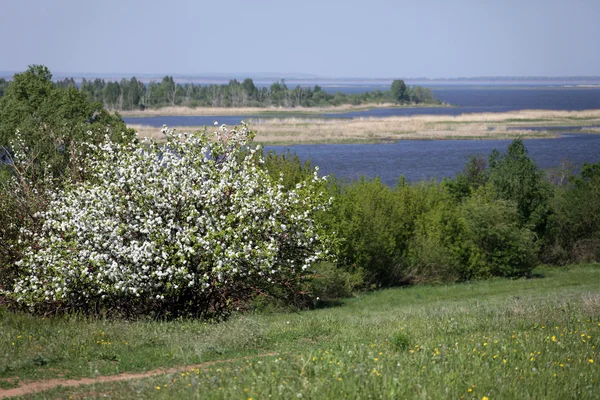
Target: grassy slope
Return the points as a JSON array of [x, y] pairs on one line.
[[501, 339]]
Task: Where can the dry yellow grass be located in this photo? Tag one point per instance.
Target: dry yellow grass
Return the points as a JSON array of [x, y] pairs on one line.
[[465, 126]]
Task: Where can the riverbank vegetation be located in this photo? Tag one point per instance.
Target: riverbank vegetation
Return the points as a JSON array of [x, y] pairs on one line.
[[509, 125]]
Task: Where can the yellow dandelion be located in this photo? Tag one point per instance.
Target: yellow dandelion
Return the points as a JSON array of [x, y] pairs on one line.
[[158, 388], [591, 361]]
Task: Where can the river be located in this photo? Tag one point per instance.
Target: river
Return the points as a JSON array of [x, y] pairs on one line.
[[420, 160]]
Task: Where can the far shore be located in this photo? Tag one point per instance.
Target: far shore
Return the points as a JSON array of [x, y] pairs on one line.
[[517, 124], [264, 111]]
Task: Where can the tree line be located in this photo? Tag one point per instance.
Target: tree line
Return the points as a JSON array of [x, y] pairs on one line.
[[133, 94]]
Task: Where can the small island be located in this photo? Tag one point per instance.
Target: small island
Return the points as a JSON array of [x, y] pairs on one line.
[[168, 97]]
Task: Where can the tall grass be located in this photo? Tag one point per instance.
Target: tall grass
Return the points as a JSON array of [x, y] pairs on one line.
[[465, 126]]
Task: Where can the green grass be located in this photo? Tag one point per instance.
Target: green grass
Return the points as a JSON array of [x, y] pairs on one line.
[[527, 338]]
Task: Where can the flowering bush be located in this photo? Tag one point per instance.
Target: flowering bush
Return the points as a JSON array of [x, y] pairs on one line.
[[191, 227]]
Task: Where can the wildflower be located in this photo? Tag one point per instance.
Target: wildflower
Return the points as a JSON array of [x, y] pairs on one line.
[[591, 361]]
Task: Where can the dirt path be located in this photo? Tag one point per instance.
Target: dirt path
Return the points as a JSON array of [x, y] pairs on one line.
[[40, 386]]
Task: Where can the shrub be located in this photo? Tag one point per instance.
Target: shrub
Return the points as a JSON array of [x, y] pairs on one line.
[[500, 246], [329, 282], [42, 128], [517, 178], [287, 167], [434, 252], [366, 218], [188, 228], [574, 232], [477, 238]]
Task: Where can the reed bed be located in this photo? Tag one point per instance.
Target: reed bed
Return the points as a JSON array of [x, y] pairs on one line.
[[465, 126]]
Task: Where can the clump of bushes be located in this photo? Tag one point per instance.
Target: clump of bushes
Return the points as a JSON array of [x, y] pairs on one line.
[[422, 233], [573, 233], [42, 132], [190, 228]]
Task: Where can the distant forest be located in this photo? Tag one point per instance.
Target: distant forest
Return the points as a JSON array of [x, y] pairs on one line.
[[132, 94]]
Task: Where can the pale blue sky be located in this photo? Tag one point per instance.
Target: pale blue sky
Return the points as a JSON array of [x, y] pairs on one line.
[[328, 38]]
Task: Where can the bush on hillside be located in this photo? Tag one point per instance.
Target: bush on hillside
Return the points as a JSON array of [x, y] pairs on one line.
[[574, 228], [190, 228], [516, 177], [436, 246], [368, 222], [42, 131], [499, 244]]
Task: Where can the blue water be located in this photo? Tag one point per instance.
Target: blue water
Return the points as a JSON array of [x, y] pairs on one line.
[[426, 159], [422, 160], [467, 100]]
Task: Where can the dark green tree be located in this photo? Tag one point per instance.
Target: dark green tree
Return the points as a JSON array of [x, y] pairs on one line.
[[574, 228], [516, 177], [110, 95], [3, 86], [399, 91], [52, 120]]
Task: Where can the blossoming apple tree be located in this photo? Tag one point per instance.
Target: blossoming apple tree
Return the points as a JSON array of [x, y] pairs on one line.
[[191, 227]]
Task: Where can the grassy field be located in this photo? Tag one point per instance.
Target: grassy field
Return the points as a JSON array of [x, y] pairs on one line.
[[296, 130], [498, 339]]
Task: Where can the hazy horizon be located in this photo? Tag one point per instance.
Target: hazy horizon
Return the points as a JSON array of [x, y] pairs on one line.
[[296, 76]]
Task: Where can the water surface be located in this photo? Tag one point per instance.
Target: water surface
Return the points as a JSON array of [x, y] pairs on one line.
[[427, 159], [467, 100]]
